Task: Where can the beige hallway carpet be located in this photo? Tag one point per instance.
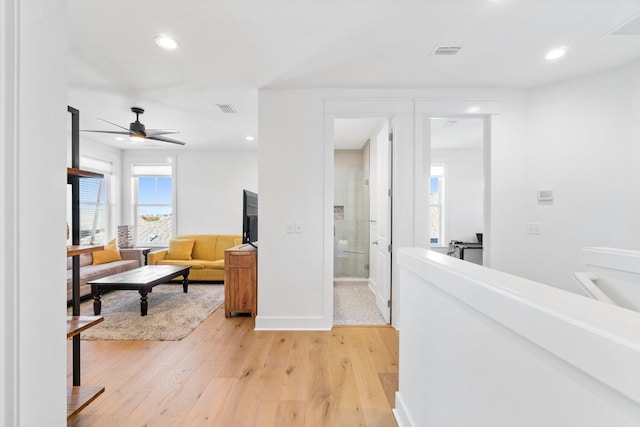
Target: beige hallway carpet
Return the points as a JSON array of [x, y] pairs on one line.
[[171, 316]]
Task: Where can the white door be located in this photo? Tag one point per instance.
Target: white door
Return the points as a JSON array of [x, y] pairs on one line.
[[381, 244]]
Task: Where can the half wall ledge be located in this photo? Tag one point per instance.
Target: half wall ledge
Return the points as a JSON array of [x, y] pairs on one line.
[[482, 347]]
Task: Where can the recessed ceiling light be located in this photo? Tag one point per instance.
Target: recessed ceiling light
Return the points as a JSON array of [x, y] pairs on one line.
[[556, 53], [249, 138], [473, 109], [166, 42]]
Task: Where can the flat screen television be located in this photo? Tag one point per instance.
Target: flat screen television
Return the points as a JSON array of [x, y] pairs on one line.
[[249, 217]]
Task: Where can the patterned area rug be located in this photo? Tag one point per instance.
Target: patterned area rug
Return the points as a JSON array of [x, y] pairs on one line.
[[171, 315], [355, 304]]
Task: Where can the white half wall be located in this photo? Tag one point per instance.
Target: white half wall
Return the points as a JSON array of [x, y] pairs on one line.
[[613, 275], [481, 348]]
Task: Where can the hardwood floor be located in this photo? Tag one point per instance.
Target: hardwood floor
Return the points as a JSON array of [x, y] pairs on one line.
[[226, 374]]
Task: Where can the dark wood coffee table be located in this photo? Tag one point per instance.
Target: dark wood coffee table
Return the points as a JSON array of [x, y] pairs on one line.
[[139, 279]]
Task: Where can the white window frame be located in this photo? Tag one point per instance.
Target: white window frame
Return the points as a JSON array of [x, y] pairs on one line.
[[105, 168], [148, 170], [438, 170]]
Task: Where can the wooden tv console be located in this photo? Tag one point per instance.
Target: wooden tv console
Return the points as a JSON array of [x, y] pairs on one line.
[[241, 280]]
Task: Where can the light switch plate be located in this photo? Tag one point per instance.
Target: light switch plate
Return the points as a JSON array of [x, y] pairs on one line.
[[545, 195]]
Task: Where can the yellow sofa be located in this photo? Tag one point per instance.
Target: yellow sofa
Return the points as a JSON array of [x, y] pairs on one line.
[[207, 255]]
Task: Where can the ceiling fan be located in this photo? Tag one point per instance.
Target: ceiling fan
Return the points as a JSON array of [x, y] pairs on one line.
[[137, 131]]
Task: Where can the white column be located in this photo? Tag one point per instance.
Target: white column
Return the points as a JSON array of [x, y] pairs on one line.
[[33, 52]]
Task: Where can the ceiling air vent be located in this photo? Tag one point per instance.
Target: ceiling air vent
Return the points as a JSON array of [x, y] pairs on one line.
[[446, 50], [227, 109]]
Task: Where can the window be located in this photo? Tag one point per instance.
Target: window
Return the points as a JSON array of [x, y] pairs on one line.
[[95, 203], [436, 202], [153, 192]]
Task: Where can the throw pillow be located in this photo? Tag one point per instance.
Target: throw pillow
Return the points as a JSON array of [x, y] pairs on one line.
[[110, 253], [180, 249]]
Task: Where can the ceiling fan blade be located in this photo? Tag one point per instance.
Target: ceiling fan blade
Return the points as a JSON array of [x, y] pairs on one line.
[[155, 132], [165, 139], [118, 132], [121, 127]]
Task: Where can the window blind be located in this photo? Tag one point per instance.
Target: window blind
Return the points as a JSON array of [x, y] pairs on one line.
[[151, 170]]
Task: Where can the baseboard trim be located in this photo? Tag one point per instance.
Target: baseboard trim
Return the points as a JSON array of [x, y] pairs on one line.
[[266, 323], [401, 413]]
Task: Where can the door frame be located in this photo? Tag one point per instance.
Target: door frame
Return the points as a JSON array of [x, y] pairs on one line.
[[402, 111], [487, 109], [486, 172], [330, 172], [409, 211]]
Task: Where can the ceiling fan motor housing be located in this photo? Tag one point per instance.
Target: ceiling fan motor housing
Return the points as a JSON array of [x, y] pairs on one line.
[[136, 126]]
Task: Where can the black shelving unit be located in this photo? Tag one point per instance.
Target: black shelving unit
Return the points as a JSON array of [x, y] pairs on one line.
[[78, 397]]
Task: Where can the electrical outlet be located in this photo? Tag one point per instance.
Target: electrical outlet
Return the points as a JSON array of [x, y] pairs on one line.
[[298, 227]]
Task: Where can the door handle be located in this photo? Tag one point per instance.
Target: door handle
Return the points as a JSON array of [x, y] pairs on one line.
[[374, 242]]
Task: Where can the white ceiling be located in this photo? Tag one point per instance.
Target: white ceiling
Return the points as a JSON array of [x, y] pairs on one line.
[[230, 49]]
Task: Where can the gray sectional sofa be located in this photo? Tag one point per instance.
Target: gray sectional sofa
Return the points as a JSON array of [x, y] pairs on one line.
[[131, 258]]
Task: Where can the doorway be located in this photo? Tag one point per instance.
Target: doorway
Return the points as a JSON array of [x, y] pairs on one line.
[[457, 187], [358, 170]]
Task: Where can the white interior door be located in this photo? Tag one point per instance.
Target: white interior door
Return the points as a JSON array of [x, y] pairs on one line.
[[382, 236]]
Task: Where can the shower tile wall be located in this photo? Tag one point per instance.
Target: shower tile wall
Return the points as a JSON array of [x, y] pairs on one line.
[[351, 197]]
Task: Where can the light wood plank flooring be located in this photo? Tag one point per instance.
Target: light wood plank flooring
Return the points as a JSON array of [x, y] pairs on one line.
[[226, 374]]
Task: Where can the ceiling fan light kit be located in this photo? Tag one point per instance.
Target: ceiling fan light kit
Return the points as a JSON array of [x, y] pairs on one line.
[[166, 42], [138, 132]]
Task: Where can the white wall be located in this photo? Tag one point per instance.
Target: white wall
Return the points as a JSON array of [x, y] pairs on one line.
[[296, 184], [582, 142], [291, 161], [209, 187], [33, 117], [463, 214]]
